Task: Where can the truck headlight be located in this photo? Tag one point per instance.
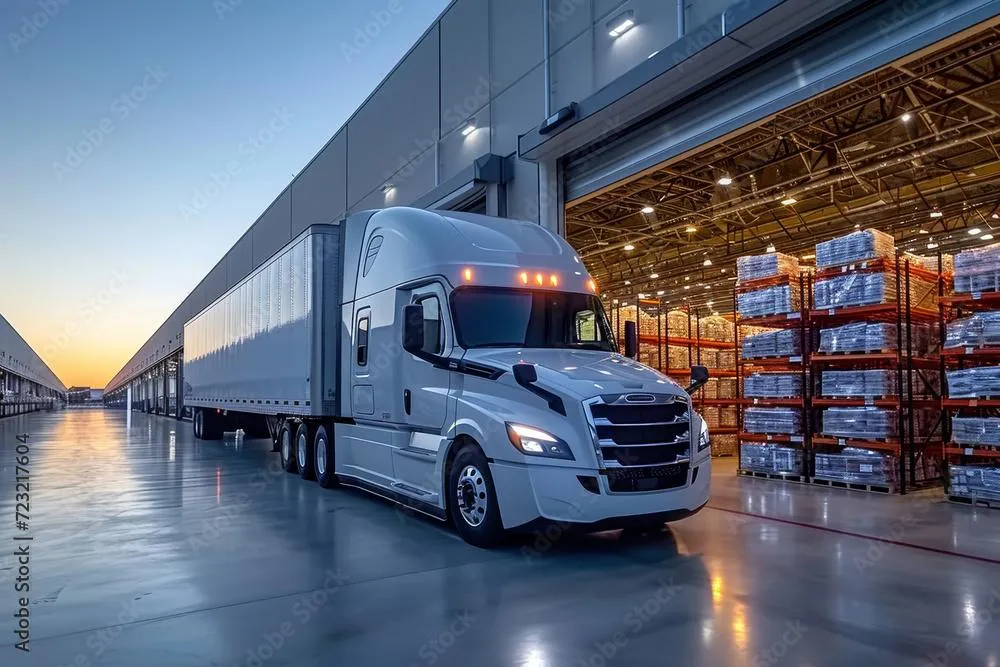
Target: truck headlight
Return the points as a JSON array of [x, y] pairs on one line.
[[703, 440], [536, 442]]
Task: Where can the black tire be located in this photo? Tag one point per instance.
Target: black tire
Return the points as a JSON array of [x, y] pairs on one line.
[[305, 459], [211, 425], [286, 446], [324, 458], [470, 471], [198, 423]]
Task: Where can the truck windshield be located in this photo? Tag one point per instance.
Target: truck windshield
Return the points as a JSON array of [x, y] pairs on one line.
[[502, 317]]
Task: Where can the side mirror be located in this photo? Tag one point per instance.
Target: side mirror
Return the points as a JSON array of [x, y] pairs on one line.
[[413, 328], [699, 376], [525, 374], [631, 339]]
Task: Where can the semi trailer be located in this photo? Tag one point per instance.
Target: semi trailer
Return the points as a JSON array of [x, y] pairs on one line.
[[459, 364]]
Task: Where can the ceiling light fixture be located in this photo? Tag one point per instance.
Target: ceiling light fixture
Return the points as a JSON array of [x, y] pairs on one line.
[[621, 24], [986, 237], [725, 179], [788, 201], [468, 129], [906, 117], [628, 282], [654, 276], [937, 214], [995, 216], [974, 231], [707, 262], [931, 245], [687, 287], [629, 247], [659, 292], [857, 226], [770, 248], [690, 229], [924, 231], [388, 187], [809, 256], [647, 209]]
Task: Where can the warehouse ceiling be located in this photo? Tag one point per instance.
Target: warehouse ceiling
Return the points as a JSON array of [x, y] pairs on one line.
[[910, 149]]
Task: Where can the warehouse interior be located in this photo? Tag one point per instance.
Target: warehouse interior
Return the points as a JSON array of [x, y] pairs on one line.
[[909, 150]]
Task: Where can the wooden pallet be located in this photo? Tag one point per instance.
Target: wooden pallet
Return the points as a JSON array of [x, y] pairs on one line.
[[975, 502], [779, 477], [854, 486]]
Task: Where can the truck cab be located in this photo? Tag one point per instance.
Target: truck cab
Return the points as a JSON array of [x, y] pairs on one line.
[[480, 381]]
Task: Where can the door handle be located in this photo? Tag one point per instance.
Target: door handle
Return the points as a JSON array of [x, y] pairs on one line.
[[406, 401]]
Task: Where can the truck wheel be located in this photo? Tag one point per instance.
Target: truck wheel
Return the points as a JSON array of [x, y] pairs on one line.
[[472, 500], [304, 451], [323, 457], [211, 425], [286, 445], [199, 424]]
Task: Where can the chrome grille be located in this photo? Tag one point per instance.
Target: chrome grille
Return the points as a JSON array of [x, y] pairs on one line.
[[643, 445]]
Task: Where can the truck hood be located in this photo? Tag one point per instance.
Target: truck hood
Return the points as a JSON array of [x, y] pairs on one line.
[[580, 373]]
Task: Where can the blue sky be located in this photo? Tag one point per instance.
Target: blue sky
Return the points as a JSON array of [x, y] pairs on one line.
[[120, 111]]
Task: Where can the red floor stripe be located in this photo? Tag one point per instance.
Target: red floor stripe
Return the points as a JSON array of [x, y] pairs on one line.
[[883, 540]]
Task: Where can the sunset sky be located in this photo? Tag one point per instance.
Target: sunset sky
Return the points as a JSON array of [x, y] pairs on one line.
[[119, 110]]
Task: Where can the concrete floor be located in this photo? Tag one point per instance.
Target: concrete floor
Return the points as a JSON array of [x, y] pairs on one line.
[[151, 549]]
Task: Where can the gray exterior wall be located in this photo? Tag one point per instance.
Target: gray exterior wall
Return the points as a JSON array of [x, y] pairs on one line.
[[482, 61], [17, 358]]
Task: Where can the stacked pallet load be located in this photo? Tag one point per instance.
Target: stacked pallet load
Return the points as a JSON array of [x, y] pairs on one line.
[[869, 428], [769, 299], [972, 378]]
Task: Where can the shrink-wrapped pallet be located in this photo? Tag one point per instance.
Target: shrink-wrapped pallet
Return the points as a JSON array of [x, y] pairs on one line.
[[976, 431], [711, 389], [647, 323], [978, 270], [864, 423], [775, 343], [727, 388], [756, 267], [859, 383], [678, 356], [858, 466], [772, 420], [766, 301], [727, 360], [861, 246], [727, 416], [709, 357], [723, 445], [865, 288], [858, 337], [773, 385], [772, 459], [978, 330], [976, 482], [711, 416], [648, 354], [678, 324], [981, 382], [930, 263], [716, 328]]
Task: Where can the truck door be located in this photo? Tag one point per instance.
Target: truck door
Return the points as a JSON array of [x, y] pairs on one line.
[[425, 388]]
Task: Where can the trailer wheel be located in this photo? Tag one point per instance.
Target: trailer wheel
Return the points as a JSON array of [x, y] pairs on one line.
[[198, 423], [323, 456], [472, 499], [211, 425], [286, 445], [304, 451]]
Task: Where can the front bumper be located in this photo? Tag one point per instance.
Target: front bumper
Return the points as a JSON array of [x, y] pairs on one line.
[[527, 493]]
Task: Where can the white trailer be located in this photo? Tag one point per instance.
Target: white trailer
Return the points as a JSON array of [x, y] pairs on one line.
[[456, 363]]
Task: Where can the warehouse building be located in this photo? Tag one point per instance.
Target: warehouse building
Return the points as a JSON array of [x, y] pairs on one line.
[[26, 383], [665, 140]]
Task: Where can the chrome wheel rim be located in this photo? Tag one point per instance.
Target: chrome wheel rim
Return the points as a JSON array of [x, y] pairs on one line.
[[321, 456], [286, 445], [300, 450], [472, 496]]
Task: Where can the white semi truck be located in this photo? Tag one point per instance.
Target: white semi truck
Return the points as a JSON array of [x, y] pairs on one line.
[[459, 364]]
